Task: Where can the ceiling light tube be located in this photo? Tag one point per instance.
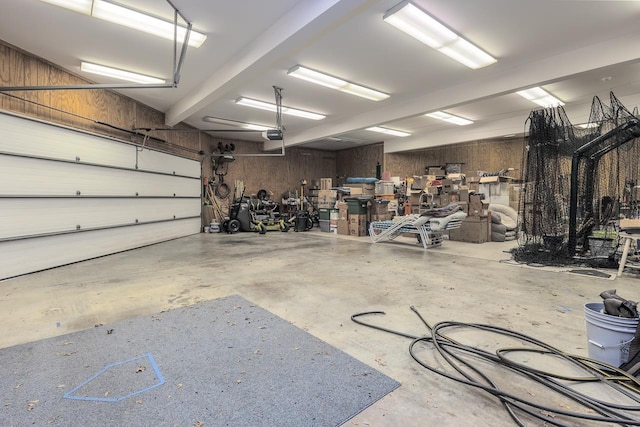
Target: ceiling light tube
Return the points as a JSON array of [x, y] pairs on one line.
[[129, 76], [450, 118], [388, 131], [409, 18], [82, 6], [248, 102], [236, 123], [335, 83], [130, 18], [540, 97]]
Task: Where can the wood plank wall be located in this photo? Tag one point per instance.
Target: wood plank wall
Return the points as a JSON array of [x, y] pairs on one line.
[[359, 161], [484, 155], [103, 111], [275, 173]]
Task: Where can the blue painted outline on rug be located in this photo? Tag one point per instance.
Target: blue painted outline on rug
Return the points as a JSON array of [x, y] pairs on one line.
[[161, 381]]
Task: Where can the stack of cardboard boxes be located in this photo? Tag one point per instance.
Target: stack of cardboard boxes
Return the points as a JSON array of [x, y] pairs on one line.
[[367, 202], [327, 197], [440, 190], [475, 227], [443, 189], [351, 219]]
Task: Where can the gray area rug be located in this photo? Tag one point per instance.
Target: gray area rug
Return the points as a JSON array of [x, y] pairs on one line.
[[224, 362]]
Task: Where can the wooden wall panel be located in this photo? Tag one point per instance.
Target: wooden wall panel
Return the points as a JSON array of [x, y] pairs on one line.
[[43, 97], [5, 75], [31, 78], [277, 174], [16, 68], [485, 155], [360, 161]]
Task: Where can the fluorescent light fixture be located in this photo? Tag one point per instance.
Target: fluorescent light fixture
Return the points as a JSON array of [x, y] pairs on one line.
[[450, 118], [82, 6], [336, 83], [540, 97], [129, 76], [388, 131], [248, 102], [409, 18], [130, 18], [236, 123]]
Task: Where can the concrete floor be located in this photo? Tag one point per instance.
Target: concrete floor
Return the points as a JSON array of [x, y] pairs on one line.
[[317, 281]]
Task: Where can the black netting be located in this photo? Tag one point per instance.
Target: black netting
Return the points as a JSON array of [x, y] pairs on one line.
[[605, 155]]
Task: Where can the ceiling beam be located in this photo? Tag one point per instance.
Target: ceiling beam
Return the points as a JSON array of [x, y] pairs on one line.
[[290, 32]]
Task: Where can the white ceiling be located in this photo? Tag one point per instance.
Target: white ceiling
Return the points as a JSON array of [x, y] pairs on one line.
[[574, 49]]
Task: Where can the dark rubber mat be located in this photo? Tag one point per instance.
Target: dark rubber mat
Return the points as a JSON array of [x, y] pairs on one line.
[[224, 362]]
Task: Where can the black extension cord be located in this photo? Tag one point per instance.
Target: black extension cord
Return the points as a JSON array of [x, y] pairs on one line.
[[599, 372]]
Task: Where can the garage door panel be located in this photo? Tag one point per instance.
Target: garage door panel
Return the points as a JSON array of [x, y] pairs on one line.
[[48, 252], [46, 140], [150, 160], [29, 176], [29, 217]]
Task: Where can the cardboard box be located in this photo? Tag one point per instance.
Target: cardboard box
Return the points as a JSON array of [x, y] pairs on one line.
[[327, 194], [365, 188], [326, 204], [463, 195], [629, 223], [357, 225], [494, 179], [327, 199], [326, 183], [343, 227], [472, 230], [475, 205], [343, 208], [358, 219]]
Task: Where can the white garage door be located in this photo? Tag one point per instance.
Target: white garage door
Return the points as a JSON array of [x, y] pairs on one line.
[[68, 196]]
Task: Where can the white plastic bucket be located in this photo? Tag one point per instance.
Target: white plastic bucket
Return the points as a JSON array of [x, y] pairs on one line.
[[608, 337]]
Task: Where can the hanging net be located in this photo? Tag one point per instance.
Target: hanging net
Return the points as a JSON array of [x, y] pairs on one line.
[[563, 215]]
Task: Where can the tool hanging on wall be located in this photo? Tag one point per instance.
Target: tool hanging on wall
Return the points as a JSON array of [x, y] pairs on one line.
[[220, 165]]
